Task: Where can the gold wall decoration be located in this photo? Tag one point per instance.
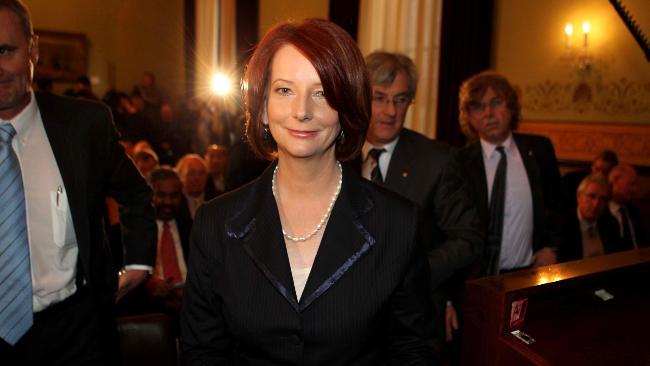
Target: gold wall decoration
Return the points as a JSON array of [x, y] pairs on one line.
[[612, 97], [580, 142]]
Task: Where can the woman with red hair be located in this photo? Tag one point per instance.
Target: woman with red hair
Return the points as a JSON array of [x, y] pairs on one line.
[[309, 264]]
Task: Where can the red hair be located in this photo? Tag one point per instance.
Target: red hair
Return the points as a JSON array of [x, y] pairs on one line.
[[340, 67]]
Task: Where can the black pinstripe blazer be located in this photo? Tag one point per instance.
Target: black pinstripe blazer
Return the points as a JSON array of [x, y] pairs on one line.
[[365, 302]]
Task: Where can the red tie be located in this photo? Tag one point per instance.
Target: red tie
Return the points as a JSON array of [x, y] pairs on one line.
[[168, 256]]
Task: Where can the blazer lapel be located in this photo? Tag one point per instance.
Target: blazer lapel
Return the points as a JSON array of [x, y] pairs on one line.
[[344, 242], [478, 178], [400, 165], [259, 229], [63, 141], [534, 180]]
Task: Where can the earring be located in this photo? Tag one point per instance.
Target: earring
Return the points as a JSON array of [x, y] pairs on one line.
[[267, 133], [341, 138]]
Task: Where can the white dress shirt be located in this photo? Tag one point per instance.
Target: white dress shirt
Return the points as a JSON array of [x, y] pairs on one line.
[[517, 236], [53, 246], [384, 158], [159, 270]]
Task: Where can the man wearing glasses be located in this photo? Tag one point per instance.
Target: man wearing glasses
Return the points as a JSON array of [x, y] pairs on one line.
[[527, 229], [515, 181], [421, 170]]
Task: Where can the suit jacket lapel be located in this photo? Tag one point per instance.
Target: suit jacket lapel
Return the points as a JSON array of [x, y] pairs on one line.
[[400, 164], [479, 179], [260, 231], [345, 239], [64, 142], [344, 242], [527, 153]]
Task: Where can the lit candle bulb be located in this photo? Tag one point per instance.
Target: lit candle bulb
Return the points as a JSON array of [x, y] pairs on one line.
[[568, 30]]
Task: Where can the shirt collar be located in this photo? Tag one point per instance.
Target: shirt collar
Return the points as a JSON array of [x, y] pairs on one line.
[[488, 147], [614, 207], [389, 147], [584, 224], [24, 120]]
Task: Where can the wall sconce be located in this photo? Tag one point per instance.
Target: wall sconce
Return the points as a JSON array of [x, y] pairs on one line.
[[586, 27], [568, 30], [582, 58]]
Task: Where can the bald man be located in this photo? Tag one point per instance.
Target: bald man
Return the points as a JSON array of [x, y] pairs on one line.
[[623, 179]]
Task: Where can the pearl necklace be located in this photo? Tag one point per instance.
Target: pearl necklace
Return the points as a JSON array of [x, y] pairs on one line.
[[325, 217]]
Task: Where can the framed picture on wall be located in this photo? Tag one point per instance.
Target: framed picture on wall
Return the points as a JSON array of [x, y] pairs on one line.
[[63, 56]]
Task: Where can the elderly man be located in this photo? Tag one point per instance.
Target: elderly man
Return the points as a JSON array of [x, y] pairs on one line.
[[60, 159], [602, 164], [194, 174], [593, 231], [421, 170], [216, 158], [623, 179]]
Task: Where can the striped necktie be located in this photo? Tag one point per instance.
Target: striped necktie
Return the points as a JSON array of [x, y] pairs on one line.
[[16, 315], [375, 175]]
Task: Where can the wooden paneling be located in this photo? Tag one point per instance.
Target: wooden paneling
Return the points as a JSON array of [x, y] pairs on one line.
[[580, 141]]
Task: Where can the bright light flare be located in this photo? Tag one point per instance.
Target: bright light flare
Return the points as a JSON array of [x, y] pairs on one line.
[[220, 84], [586, 27], [568, 29]]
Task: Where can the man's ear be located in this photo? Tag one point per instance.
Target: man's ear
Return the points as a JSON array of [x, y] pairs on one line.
[[33, 51]]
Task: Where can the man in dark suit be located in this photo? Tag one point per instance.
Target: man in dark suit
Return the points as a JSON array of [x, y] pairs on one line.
[[623, 179], [194, 175], [531, 221], [524, 221], [602, 164], [216, 158], [66, 156], [421, 170], [592, 230], [166, 283]]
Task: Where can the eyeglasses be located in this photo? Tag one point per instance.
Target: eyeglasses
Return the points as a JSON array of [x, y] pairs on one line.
[[398, 101], [478, 107]]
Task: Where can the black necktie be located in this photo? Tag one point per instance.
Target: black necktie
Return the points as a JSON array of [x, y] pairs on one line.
[[375, 175], [497, 208], [628, 237]]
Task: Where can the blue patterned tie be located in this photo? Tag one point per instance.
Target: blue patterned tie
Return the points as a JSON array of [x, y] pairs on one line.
[[16, 315]]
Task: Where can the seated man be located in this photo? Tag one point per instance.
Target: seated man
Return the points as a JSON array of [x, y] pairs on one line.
[[193, 173], [216, 158], [165, 286], [603, 163], [623, 179], [592, 231]]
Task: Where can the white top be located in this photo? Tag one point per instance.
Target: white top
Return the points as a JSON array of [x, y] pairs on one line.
[[384, 158], [517, 237], [53, 246], [300, 276], [180, 256]]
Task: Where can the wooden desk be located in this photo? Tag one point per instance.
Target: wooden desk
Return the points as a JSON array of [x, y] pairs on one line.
[[571, 325]]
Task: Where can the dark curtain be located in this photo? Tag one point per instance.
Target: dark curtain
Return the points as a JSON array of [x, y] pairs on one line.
[[465, 49], [190, 45], [345, 13], [247, 13]]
